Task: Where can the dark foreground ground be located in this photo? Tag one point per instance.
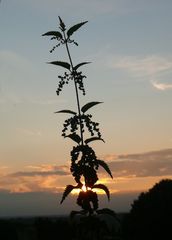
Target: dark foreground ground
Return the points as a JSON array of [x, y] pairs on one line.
[[51, 228]]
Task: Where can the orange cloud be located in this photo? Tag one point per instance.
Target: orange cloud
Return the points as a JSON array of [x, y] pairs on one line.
[[50, 178], [132, 172], [148, 164]]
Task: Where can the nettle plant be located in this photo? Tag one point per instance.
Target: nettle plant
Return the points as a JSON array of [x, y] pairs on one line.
[[84, 162]]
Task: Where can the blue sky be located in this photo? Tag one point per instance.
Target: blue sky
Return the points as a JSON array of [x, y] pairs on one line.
[[129, 45]]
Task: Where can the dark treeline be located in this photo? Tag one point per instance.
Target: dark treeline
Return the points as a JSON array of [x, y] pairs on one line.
[[41, 228], [45, 228]]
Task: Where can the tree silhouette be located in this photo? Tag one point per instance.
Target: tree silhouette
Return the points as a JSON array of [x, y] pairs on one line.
[[151, 214]]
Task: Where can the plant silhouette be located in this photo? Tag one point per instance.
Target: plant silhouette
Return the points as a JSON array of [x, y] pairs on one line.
[[84, 162]]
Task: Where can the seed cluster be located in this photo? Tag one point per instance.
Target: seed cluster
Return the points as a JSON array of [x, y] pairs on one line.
[[83, 120], [92, 126], [63, 80], [60, 40], [72, 41], [84, 163], [78, 78]]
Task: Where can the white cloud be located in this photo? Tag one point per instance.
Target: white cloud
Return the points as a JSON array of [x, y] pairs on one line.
[[162, 86], [153, 68], [142, 66]]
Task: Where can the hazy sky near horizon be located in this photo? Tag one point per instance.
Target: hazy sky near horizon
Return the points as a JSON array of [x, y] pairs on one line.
[[129, 45]]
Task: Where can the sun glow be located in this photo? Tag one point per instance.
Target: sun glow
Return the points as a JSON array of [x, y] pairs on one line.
[[84, 189], [78, 190]]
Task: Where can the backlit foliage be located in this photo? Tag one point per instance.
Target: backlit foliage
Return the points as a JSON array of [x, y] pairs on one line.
[[84, 162]]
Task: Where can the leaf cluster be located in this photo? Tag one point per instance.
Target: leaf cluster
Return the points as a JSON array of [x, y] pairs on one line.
[[63, 37], [60, 35]]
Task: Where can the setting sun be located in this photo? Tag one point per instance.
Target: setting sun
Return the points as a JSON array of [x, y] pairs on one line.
[[84, 189]]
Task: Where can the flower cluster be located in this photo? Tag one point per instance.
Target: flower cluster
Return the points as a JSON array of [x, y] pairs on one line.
[[74, 75], [61, 42], [83, 120], [78, 77], [63, 80]]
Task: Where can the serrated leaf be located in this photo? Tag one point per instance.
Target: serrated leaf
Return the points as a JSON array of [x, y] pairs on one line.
[[80, 64], [75, 137], [88, 106], [67, 190], [53, 33], [75, 28], [93, 139], [105, 166], [66, 111], [62, 25], [104, 188], [61, 64]]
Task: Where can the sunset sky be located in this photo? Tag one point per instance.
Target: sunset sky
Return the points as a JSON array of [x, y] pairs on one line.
[[129, 45]]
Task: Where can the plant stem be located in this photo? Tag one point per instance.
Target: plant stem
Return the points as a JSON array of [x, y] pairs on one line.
[[76, 90]]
